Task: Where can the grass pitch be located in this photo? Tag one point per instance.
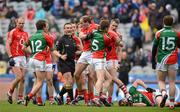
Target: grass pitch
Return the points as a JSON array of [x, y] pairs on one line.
[[6, 107]]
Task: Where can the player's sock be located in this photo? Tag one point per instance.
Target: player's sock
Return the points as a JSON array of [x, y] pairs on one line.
[[171, 99], [63, 91], [109, 99], [70, 93], [91, 95], [86, 96], [51, 98], [163, 92], [39, 100], [20, 97], [30, 95], [11, 91], [123, 88]]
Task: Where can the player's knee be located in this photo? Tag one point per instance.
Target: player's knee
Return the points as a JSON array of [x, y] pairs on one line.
[[171, 82], [49, 82], [77, 76]]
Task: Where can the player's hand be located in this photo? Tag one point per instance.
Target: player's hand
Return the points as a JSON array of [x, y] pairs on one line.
[[64, 57], [150, 90], [11, 61], [89, 36], [154, 64]]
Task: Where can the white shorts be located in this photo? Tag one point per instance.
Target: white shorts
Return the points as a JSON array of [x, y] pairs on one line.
[[20, 61], [48, 67], [86, 58], [99, 63], [111, 64], [36, 65], [166, 67]]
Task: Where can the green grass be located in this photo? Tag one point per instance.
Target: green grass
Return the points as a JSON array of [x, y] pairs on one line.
[[6, 107]]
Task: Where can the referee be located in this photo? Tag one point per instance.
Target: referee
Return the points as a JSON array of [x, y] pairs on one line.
[[65, 49]]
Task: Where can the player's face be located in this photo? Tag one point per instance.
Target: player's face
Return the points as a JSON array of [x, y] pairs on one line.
[[46, 29], [73, 27], [79, 27], [85, 24], [113, 26], [68, 29], [20, 23]]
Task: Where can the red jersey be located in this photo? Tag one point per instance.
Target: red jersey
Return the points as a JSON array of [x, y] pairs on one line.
[[111, 49], [87, 43], [48, 55], [18, 37], [149, 97]]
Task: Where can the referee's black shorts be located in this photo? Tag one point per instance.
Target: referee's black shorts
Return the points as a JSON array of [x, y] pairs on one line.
[[66, 66]]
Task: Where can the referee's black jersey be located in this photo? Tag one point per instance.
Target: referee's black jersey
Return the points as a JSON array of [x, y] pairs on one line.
[[67, 45]]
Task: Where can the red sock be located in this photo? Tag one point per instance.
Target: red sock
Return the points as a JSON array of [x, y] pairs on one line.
[[30, 95], [123, 88], [39, 99], [91, 95], [11, 91], [51, 98], [86, 96], [110, 99], [20, 97]]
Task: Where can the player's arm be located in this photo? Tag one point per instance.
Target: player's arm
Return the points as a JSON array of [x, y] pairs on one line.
[[82, 36], [60, 48], [138, 82], [178, 34], [8, 43], [154, 49], [141, 83], [79, 50], [26, 47], [139, 104], [118, 40]]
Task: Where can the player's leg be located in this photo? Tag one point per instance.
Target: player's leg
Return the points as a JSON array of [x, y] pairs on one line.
[[19, 77], [110, 92], [21, 88], [50, 86], [39, 100], [40, 78], [172, 88], [113, 71], [162, 86], [78, 71], [91, 81]]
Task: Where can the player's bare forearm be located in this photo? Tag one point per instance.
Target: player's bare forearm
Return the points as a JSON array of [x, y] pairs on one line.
[[139, 82]]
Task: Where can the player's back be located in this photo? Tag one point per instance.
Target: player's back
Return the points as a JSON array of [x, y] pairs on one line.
[[38, 46], [167, 40]]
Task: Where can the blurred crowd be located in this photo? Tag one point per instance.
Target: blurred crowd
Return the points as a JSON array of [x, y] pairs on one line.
[[145, 17]]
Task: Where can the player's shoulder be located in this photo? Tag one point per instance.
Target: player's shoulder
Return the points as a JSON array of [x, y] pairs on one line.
[[12, 31], [177, 32], [158, 33]]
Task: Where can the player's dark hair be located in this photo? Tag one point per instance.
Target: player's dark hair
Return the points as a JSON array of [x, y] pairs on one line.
[[40, 24], [104, 24], [67, 24], [168, 20]]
